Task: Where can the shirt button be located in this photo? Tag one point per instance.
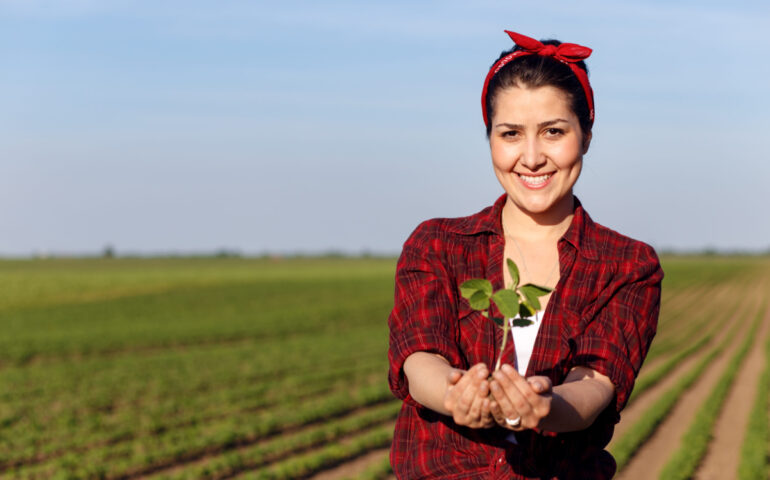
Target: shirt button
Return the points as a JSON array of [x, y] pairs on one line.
[[500, 461]]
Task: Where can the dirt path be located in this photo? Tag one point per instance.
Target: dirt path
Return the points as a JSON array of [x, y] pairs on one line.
[[653, 454], [723, 455], [355, 467]]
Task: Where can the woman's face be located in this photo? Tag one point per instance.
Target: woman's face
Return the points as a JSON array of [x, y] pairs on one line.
[[537, 148]]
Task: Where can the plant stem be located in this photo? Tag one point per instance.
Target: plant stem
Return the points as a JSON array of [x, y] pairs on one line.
[[506, 329]]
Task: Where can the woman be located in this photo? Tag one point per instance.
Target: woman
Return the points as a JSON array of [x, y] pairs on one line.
[[550, 411]]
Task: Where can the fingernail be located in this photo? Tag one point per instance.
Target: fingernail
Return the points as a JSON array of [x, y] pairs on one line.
[[507, 368]]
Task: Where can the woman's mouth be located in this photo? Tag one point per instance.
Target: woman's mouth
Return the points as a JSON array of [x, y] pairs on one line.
[[535, 181]]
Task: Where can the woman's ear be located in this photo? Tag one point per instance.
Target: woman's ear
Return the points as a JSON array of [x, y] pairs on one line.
[[587, 142]]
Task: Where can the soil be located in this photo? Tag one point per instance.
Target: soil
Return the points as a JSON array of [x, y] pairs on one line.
[[723, 456], [655, 452], [354, 467]]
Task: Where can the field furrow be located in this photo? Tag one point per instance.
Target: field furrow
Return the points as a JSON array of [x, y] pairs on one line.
[[723, 456], [649, 460]]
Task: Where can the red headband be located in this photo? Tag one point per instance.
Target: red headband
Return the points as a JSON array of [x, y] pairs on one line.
[[567, 53]]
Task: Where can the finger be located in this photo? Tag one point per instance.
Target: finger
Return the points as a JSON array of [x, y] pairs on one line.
[[497, 413], [540, 384], [465, 399], [517, 400], [529, 398], [474, 412], [502, 402], [481, 371]]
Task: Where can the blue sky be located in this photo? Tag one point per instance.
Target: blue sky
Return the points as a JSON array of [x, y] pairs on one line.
[[311, 126]]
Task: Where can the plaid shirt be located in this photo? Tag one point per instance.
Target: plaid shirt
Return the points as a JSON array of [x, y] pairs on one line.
[[602, 315]]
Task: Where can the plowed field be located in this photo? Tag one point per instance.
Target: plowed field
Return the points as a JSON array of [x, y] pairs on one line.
[[276, 369]]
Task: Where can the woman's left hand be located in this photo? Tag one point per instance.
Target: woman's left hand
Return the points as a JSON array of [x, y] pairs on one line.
[[528, 399]]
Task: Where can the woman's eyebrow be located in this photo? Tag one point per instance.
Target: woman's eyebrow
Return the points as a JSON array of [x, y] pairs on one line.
[[547, 123]]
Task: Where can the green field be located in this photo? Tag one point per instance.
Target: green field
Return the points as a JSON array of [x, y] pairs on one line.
[[247, 368]]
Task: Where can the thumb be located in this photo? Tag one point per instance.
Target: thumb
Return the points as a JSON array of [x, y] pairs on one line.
[[454, 376]]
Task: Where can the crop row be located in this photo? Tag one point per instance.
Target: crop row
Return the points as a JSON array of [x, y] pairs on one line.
[[306, 464], [132, 425], [699, 318], [192, 442], [280, 447], [685, 460], [755, 451], [627, 445], [186, 316]]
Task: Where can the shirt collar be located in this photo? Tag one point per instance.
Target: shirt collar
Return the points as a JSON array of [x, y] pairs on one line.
[[581, 233]]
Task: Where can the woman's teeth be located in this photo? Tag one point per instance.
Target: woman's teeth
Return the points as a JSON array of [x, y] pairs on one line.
[[539, 180]]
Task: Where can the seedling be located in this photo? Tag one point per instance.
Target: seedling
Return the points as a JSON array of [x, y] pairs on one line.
[[515, 301]]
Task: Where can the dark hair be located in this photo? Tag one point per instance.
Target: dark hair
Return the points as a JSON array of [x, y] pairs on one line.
[[535, 71]]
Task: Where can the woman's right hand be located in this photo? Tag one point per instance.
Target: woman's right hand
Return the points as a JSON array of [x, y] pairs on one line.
[[467, 397]]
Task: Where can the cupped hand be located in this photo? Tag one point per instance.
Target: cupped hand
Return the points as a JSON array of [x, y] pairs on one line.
[[517, 397], [467, 397]]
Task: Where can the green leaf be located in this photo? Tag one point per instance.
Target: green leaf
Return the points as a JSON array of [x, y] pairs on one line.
[[537, 290], [525, 310], [470, 287], [507, 302], [514, 271], [522, 322], [498, 321], [531, 292], [479, 301]]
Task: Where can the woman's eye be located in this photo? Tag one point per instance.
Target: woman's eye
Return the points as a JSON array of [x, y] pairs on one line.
[[554, 132], [510, 133]]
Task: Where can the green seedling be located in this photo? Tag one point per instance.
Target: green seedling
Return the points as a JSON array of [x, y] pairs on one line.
[[515, 301]]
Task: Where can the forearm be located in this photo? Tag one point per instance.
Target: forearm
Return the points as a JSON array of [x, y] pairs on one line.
[[577, 402], [427, 374]]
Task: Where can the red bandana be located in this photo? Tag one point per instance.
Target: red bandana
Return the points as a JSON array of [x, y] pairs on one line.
[[567, 53]]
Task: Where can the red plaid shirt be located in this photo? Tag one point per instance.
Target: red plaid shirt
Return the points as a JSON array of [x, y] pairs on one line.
[[602, 315]]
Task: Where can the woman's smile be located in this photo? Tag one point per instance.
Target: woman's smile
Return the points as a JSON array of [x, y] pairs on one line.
[[535, 182]]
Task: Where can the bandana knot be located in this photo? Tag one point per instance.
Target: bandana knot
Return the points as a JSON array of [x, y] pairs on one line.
[[567, 53], [548, 51]]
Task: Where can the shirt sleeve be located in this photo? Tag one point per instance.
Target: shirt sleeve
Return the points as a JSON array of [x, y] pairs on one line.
[[424, 317], [616, 340]]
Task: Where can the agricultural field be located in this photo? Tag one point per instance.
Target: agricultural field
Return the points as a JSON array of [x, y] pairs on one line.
[[211, 368]]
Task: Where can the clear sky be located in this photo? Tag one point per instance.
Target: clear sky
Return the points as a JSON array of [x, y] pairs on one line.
[[310, 126]]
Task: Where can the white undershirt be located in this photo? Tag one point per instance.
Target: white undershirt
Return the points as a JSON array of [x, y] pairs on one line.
[[524, 341]]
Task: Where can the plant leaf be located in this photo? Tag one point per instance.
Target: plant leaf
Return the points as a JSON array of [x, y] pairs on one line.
[[498, 321], [525, 310], [507, 302], [469, 287], [522, 322], [537, 290], [514, 271], [479, 301]]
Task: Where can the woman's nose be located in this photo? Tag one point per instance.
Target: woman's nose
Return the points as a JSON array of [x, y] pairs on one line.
[[533, 157]]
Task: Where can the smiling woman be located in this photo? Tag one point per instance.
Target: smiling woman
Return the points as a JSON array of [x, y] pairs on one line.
[[550, 411]]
